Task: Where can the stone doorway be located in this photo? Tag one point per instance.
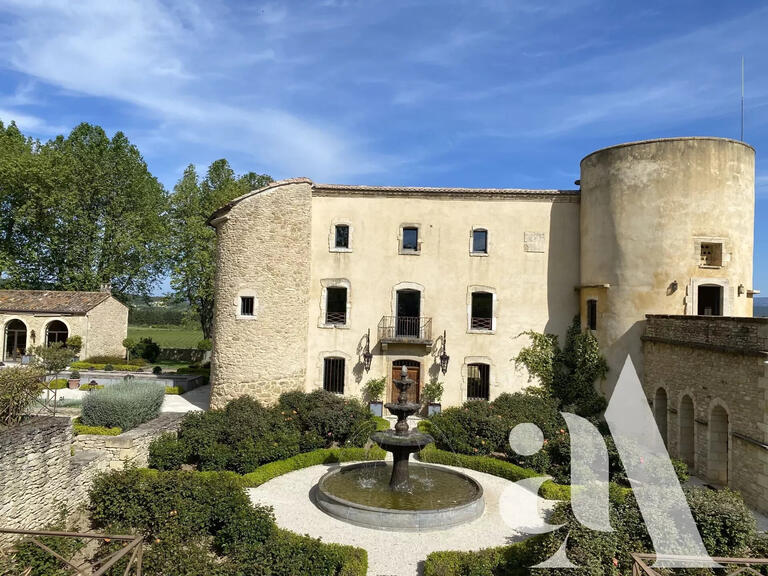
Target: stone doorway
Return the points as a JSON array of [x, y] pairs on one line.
[[414, 373]]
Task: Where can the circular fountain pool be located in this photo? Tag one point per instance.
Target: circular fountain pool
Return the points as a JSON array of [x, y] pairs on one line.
[[438, 497]]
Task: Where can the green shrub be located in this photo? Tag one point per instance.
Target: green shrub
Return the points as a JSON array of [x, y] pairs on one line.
[[174, 390], [57, 384], [272, 470], [335, 419], [108, 367], [727, 527], [146, 348], [124, 405], [500, 561], [91, 387], [74, 343], [79, 428], [373, 390], [114, 359], [166, 452], [74, 375], [19, 388], [473, 428], [205, 344], [157, 370], [495, 467], [432, 392], [381, 423]]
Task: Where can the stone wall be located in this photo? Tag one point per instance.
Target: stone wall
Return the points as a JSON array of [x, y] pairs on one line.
[[264, 253], [703, 368], [107, 328], [129, 448], [42, 466]]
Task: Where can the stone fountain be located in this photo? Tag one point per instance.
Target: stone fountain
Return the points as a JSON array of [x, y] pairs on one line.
[[400, 496], [401, 442]]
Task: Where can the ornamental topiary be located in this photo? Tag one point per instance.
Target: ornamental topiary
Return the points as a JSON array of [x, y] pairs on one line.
[[124, 405]]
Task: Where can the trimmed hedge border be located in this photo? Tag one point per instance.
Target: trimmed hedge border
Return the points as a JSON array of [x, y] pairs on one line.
[[93, 366], [488, 561], [494, 467], [79, 428], [267, 472]]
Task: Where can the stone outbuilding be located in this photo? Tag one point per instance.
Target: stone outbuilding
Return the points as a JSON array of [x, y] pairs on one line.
[[42, 317], [706, 379]]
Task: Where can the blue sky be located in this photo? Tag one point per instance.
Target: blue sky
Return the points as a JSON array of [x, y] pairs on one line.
[[461, 93]]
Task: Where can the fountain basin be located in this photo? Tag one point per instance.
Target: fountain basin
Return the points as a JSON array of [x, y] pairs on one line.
[[360, 494]]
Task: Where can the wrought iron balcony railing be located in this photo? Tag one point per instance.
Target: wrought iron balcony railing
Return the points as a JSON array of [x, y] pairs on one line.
[[482, 324], [405, 329]]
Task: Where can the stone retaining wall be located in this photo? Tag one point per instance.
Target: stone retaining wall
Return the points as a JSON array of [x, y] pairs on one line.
[[129, 448], [42, 466]]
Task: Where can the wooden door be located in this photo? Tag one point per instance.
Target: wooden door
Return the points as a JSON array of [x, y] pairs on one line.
[[414, 373]]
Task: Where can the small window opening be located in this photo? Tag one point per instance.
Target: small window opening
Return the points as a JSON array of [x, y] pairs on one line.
[[411, 239], [482, 311], [342, 236], [478, 382], [592, 314], [333, 375], [480, 241], [336, 306], [711, 254], [246, 306]]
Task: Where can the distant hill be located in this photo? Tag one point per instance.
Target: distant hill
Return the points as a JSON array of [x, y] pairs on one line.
[[761, 307]]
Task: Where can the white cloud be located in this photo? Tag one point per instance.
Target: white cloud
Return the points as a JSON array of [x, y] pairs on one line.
[[29, 123]]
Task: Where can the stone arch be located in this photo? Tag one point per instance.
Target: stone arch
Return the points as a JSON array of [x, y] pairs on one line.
[[15, 336], [57, 330], [718, 457], [660, 412], [686, 430]]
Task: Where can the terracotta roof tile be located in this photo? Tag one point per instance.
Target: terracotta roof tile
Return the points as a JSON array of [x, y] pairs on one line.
[[50, 301]]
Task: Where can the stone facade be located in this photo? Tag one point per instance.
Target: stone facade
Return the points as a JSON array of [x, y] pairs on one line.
[[43, 466], [631, 241], [707, 381], [99, 319], [264, 354]]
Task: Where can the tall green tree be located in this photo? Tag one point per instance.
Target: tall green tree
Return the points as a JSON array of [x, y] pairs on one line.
[[79, 212], [194, 242]]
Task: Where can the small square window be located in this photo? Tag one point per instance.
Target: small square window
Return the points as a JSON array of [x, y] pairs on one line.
[[342, 236], [711, 254], [480, 241], [592, 314], [246, 306], [411, 239]]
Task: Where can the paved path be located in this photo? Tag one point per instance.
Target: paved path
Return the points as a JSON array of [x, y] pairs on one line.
[[389, 553], [194, 400]]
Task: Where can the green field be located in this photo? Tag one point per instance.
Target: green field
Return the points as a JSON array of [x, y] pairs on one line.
[[168, 337]]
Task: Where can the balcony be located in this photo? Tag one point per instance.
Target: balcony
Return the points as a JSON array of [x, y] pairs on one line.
[[405, 330]]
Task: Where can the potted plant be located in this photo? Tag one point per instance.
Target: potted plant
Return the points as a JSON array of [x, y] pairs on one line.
[[372, 392], [74, 380], [432, 393]]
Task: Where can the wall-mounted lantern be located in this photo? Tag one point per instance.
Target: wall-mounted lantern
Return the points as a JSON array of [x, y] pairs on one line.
[[367, 355], [741, 290], [444, 357]]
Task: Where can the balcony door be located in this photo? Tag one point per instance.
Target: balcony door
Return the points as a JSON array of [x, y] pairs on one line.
[[408, 313], [414, 373]]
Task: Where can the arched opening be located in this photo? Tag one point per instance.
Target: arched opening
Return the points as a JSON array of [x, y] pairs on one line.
[[414, 373], [15, 340], [660, 413], [718, 446], [686, 425], [56, 331]]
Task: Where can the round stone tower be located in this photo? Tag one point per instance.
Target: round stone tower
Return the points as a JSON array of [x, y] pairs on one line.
[[667, 227]]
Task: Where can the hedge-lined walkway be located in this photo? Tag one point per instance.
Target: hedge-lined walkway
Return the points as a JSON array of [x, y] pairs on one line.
[[390, 553]]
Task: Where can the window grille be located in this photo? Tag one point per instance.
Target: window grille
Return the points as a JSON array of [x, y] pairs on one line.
[[592, 314], [333, 375], [336, 305], [246, 305], [482, 311], [478, 382]]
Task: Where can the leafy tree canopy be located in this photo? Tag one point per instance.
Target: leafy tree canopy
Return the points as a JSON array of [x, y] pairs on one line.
[[78, 212], [194, 242]]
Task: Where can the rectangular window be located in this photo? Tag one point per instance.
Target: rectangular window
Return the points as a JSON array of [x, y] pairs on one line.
[[480, 241], [711, 254], [592, 314], [411, 239], [342, 236], [482, 311], [333, 375], [246, 306], [478, 382], [336, 305]]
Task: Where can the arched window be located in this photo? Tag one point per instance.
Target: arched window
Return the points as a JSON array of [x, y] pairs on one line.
[[478, 382], [15, 339], [56, 331], [718, 446], [660, 412], [686, 427]]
